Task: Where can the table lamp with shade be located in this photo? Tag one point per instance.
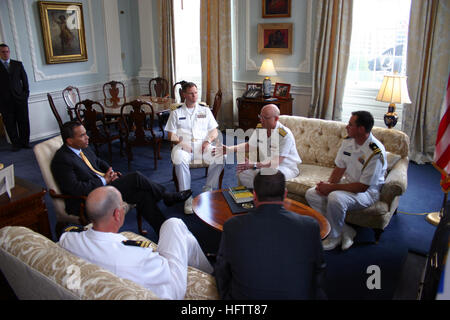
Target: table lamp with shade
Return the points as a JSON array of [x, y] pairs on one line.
[[393, 90], [267, 69]]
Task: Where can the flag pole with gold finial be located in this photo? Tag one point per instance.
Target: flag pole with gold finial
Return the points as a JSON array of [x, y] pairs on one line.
[[435, 217]]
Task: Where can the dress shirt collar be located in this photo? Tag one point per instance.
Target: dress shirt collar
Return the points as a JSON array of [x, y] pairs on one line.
[[104, 236], [76, 151]]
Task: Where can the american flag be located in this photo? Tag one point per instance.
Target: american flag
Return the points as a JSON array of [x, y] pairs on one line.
[[442, 151]]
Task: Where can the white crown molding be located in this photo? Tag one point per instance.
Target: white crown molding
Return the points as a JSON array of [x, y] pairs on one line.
[[40, 75], [304, 65]]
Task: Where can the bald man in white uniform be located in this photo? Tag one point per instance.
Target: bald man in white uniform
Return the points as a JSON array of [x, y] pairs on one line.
[[163, 271]]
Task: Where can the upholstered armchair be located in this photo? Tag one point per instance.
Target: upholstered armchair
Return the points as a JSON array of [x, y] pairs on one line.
[[37, 268], [44, 153]]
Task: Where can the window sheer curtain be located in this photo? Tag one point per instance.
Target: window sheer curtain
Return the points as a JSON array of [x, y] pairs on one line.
[[331, 56], [428, 68], [167, 41], [215, 43]]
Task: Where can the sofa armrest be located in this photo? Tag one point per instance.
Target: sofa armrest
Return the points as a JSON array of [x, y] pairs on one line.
[[396, 181], [200, 285]]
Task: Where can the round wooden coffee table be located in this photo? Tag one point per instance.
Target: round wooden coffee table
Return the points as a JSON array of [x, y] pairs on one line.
[[212, 208]]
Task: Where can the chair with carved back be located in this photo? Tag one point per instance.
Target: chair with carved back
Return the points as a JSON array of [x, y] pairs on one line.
[[54, 110], [92, 115], [114, 94], [71, 96], [158, 87], [177, 91], [139, 129], [217, 104]]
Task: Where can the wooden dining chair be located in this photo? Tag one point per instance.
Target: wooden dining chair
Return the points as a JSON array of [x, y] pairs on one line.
[[139, 128], [158, 87], [71, 96], [54, 110], [114, 93], [92, 115], [217, 104], [177, 91]]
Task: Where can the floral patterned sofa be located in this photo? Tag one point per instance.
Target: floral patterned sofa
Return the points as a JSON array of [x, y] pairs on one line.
[[37, 268], [317, 144]]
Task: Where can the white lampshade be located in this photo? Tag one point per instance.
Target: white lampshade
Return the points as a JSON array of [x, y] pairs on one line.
[[393, 90], [267, 68]]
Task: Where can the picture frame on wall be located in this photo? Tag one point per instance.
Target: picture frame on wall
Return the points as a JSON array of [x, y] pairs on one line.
[[281, 90], [276, 8], [63, 31], [275, 38]]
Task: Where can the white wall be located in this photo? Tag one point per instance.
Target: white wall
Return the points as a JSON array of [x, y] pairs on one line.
[[294, 69], [113, 47]]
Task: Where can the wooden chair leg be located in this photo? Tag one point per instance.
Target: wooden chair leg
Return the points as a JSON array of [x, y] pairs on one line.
[[378, 233], [139, 222], [175, 179], [221, 178]]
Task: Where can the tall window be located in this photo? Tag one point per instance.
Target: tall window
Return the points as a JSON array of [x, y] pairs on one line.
[[187, 42], [378, 47]]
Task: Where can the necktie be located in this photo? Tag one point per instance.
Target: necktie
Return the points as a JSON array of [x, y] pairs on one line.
[[86, 160], [7, 66]]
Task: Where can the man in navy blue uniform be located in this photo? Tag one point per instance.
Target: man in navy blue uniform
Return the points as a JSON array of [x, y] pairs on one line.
[[270, 253]]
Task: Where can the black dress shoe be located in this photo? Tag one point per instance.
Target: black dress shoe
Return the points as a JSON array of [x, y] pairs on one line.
[[170, 198]]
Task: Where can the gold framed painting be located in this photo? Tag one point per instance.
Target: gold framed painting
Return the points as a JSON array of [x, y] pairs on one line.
[[275, 38], [63, 31], [276, 8]]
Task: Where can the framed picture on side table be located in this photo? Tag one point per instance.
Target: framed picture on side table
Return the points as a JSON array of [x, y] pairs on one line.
[[281, 90], [63, 31]]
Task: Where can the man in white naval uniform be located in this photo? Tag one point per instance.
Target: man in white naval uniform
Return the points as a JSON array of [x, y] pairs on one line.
[[275, 145], [192, 128], [163, 271], [354, 183]]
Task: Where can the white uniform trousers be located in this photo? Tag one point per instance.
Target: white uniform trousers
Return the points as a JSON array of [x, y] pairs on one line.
[[335, 206], [181, 249], [181, 160], [246, 177]]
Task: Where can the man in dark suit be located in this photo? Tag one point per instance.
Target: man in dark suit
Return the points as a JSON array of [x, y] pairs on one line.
[[270, 253], [14, 94], [78, 171]]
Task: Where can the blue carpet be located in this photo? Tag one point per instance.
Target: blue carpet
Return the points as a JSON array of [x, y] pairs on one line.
[[346, 273]]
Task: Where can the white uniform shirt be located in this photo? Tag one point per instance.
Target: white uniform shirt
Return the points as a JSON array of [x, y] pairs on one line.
[[281, 142], [353, 157], [191, 124], [141, 265]]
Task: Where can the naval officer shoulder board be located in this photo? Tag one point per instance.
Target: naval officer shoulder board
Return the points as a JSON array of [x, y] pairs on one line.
[[75, 229], [375, 150], [137, 243]]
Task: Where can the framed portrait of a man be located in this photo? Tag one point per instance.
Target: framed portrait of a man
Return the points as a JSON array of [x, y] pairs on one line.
[[63, 31]]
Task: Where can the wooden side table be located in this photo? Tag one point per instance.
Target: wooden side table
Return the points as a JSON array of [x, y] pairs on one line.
[[25, 208], [249, 108]]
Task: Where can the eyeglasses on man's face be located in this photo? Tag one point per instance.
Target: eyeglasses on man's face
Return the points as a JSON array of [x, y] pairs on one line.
[[260, 117]]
